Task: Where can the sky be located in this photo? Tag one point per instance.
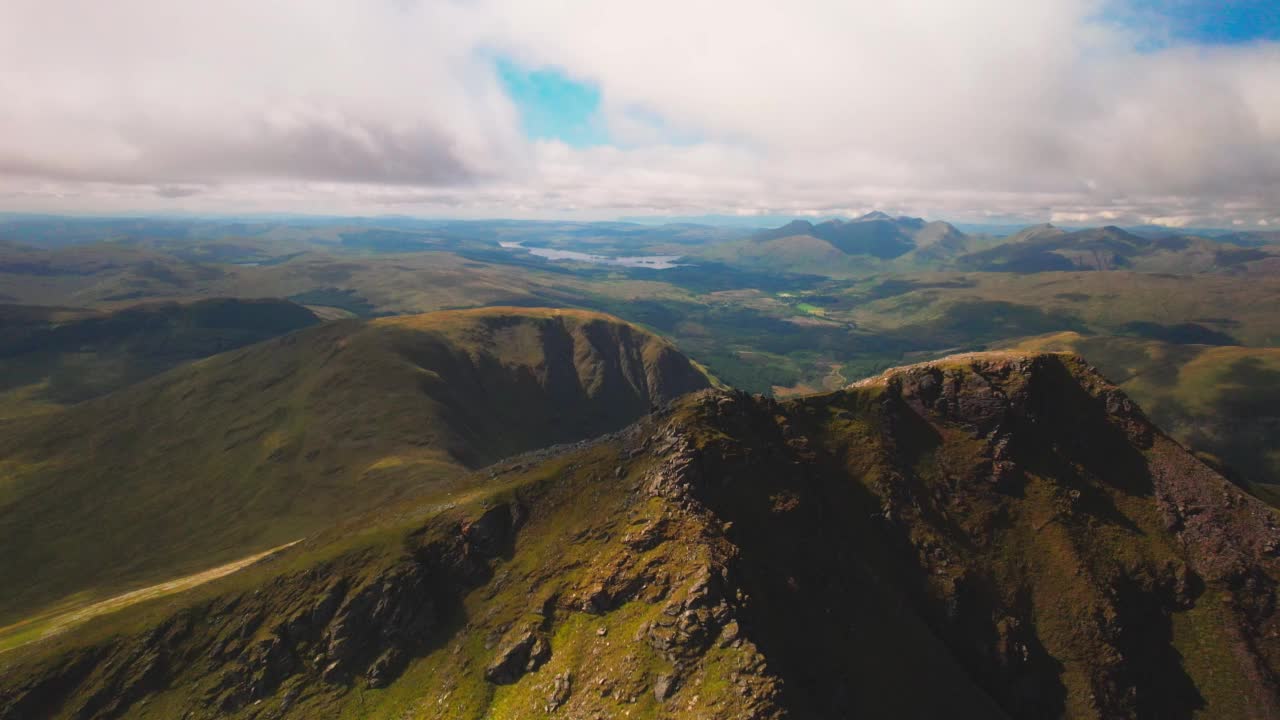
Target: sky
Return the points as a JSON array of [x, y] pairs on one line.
[[1071, 111]]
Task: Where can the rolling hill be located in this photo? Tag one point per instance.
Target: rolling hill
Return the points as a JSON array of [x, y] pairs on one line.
[[51, 357], [1000, 535], [250, 449], [101, 272], [1045, 248]]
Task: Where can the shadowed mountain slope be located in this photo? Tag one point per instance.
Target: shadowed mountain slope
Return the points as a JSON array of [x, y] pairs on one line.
[[998, 535], [258, 447], [1223, 402]]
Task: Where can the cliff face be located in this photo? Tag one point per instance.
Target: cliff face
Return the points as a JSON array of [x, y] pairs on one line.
[[985, 536]]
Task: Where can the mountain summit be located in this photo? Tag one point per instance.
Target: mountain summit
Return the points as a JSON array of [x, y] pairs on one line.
[[873, 215]]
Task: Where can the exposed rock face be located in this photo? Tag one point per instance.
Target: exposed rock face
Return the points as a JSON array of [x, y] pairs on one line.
[[986, 536], [525, 652]]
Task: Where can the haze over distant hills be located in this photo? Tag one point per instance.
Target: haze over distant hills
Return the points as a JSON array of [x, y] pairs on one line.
[[916, 244]]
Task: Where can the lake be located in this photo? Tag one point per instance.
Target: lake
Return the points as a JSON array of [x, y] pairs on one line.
[[653, 262]]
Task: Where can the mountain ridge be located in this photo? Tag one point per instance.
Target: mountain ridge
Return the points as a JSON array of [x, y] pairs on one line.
[[256, 447], [986, 535]]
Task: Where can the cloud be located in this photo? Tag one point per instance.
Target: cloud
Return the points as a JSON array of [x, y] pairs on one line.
[[146, 91], [956, 108], [177, 191], [946, 105]]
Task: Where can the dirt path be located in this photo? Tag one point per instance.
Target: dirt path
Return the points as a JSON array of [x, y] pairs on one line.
[[43, 626]]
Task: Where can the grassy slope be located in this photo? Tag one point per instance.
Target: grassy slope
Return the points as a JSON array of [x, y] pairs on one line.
[[107, 275], [920, 545], [261, 446], [1239, 306], [52, 357]]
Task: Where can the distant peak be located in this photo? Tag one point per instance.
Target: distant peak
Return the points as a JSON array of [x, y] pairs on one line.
[[793, 228], [1035, 232], [875, 215]]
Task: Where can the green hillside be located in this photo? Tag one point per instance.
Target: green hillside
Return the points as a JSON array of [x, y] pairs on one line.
[[261, 446], [50, 357]]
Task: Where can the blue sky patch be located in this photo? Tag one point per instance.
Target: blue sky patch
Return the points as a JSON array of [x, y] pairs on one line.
[[1210, 22], [554, 106]]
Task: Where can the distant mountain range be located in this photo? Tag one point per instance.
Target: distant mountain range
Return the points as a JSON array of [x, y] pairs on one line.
[[874, 234], [914, 243]]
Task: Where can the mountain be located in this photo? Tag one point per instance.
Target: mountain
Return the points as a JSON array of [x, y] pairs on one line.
[[837, 247], [1047, 231], [1223, 402], [261, 446], [998, 535], [1045, 248], [939, 242], [57, 356], [874, 234], [792, 229]]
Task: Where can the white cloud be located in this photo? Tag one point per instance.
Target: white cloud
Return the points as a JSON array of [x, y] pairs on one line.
[[156, 91], [959, 108]]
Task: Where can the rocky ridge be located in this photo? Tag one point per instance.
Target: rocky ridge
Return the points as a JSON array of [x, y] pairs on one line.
[[987, 536]]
